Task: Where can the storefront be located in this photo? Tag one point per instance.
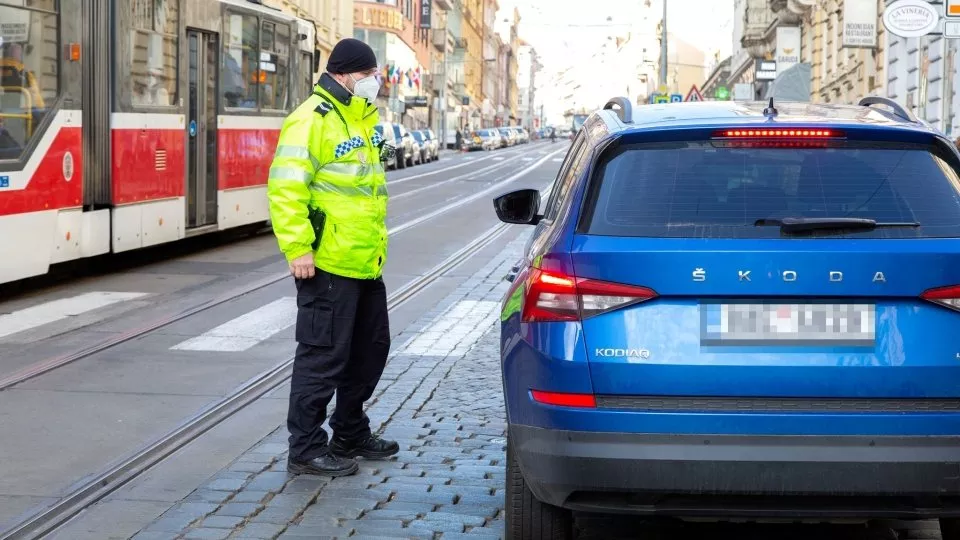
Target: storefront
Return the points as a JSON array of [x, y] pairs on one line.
[[391, 30]]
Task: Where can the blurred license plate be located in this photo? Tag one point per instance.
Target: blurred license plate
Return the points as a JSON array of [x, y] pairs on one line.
[[787, 324]]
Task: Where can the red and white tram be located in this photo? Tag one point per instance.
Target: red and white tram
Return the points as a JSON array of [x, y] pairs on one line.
[[131, 123]]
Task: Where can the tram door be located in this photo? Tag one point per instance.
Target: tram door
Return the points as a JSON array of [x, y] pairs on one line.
[[202, 129]]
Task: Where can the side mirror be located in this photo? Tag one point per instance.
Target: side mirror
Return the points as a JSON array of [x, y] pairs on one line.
[[519, 207]]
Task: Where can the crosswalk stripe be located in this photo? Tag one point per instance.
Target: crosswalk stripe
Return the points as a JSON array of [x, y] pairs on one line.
[[245, 331], [452, 332], [57, 310]]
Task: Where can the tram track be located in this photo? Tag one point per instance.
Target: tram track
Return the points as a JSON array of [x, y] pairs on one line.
[[101, 485], [45, 366]]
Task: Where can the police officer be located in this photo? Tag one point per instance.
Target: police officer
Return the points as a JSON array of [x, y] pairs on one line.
[[328, 205]]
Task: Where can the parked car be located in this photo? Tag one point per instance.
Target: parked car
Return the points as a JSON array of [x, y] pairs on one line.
[[436, 142], [737, 311], [428, 147], [473, 141], [491, 139], [509, 136]]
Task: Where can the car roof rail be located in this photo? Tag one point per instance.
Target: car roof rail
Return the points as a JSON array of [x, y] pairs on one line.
[[897, 108], [626, 110]]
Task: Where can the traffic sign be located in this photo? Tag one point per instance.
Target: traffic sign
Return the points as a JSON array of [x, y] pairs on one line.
[[952, 9], [661, 98], [722, 93], [694, 94], [676, 98]]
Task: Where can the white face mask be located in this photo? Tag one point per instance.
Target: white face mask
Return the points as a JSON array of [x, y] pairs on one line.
[[367, 87]]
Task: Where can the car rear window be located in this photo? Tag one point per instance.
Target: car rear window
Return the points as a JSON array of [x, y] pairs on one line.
[[694, 190]]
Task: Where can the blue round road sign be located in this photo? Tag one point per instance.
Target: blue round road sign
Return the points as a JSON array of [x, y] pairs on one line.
[[193, 128]]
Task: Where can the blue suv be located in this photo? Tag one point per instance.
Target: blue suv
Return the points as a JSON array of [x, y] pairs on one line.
[[737, 310]]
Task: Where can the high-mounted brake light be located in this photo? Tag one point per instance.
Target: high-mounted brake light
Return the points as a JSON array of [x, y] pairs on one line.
[[948, 297], [553, 297], [778, 133], [587, 401]]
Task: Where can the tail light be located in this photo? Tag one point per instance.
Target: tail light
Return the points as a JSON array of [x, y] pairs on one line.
[[945, 296], [784, 137], [552, 296], [779, 133]]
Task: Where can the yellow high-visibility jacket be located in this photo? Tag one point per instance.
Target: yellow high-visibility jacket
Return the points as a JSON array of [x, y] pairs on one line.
[[328, 158]]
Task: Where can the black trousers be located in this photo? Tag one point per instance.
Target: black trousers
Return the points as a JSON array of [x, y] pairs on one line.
[[343, 339]]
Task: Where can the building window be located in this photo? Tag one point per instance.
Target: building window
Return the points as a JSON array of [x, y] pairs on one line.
[[153, 52], [29, 72], [241, 61]]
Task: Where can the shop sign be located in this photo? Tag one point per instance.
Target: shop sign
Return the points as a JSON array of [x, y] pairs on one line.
[[788, 47], [860, 24], [910, 18], [14, 25], [765, 70], [416, 101], [374, 17], [426, 7]]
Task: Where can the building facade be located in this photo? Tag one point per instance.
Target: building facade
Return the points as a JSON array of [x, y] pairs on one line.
[[405, 50], [334, 20], [528, 65]]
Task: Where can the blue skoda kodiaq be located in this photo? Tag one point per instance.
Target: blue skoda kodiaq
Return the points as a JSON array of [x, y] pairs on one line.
[[737, 310]]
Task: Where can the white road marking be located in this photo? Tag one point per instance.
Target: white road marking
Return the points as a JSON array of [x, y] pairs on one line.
[[57, 310], [245, 331], [499, 158], [526, 159], [454, 331], [557, 160]]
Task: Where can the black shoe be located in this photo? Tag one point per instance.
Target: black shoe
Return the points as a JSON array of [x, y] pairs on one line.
[[325, 465], [372, 447]]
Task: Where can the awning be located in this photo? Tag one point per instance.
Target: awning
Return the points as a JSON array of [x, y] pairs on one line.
[[791, 85]]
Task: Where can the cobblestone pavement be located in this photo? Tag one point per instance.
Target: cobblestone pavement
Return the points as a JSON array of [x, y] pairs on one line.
[[441, 398]]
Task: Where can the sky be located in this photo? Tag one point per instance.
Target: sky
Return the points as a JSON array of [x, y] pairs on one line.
[[564, 32]]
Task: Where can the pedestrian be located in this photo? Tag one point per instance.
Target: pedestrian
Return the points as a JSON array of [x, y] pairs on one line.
[[459, 139], [328, 205]]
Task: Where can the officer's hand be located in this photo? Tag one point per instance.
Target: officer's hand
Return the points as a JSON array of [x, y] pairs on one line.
[[303, 266]]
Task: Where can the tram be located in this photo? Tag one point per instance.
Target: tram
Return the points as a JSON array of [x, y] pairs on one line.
[[131, 123]]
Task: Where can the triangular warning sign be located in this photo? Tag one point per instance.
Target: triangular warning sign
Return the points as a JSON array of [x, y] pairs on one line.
[[694, 94]]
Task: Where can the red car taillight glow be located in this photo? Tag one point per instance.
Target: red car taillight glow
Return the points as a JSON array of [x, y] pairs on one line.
[[553, 297]]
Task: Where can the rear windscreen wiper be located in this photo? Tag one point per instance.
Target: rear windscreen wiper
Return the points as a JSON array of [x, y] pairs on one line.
[[801, 224]]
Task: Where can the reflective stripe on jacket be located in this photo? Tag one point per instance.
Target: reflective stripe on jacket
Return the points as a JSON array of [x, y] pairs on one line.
[[327, 159]]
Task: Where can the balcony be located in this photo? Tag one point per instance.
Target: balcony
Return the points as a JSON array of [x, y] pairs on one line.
[[439, 39], [759, 30], [460, 44]]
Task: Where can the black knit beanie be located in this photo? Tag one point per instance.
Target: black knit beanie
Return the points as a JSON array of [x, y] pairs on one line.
[[351, 56]]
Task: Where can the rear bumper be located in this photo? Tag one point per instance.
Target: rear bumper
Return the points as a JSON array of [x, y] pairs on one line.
[[690, 475]]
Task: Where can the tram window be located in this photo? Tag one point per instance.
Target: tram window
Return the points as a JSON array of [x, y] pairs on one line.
[[274, 61], [153, 53], [241, 61], [29, 72], [306, 72]]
